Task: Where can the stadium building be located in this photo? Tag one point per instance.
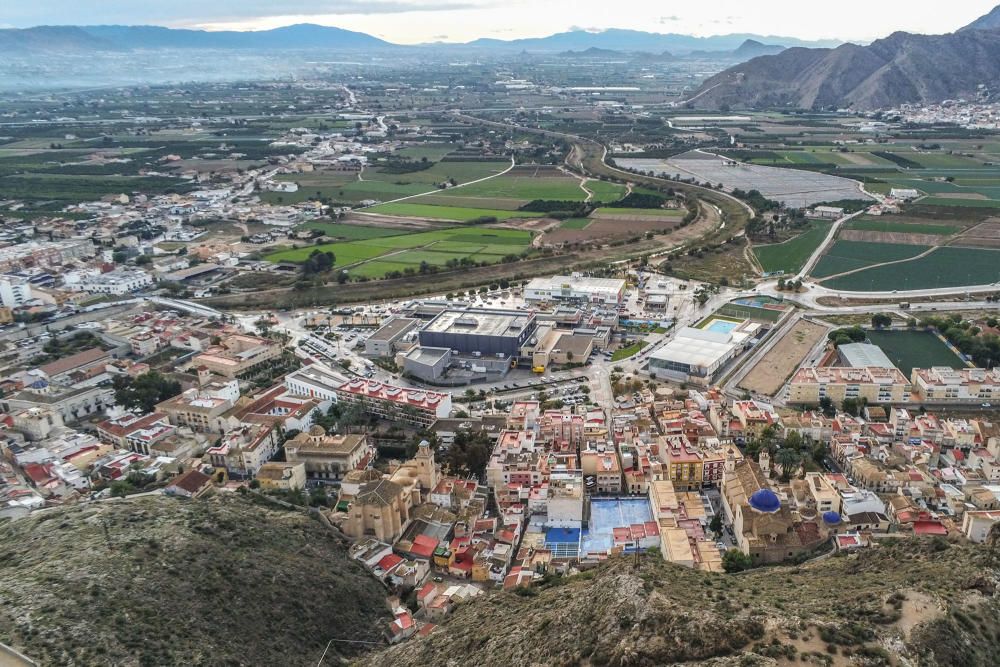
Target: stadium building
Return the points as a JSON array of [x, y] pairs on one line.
[[480, 331], [696, 355]]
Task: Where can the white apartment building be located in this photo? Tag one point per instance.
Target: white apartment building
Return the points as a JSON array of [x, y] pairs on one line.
[[14, 291]]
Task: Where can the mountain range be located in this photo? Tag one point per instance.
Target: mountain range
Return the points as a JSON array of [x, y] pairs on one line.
[[310, 36], [901, 68]]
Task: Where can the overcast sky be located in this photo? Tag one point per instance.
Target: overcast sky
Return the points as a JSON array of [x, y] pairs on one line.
[[416, 21]]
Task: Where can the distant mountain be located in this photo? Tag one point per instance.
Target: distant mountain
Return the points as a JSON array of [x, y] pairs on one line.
[[753, 49], [898, 69], [990, 21], [51, 38], [749, 49], [635, 40], [110, 37], [300, 36], [592, 52]]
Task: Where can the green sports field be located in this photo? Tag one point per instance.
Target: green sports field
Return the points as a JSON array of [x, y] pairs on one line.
[[914, 349]]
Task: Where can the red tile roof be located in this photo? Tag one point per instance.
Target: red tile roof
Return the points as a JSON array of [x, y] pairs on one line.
[[389, 561]]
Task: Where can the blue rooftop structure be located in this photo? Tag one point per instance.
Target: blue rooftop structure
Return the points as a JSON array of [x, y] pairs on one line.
[[831, 518], [765, 500]]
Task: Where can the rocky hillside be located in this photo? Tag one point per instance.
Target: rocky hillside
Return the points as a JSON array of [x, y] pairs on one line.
[[158, 581], [929, 602], [900, 68], [990, 21]]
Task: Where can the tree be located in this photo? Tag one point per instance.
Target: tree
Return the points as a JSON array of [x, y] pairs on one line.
[[318, 262], [735, 560], [881, 320], [789, 459], [145, 391], [716, 525], [850, 406]]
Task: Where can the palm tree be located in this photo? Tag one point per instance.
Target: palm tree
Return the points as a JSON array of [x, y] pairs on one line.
[[788, 459]]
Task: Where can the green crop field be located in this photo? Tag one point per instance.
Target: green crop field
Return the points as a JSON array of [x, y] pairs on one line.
[[460, 214], [373, 257], [944, 267], [849, 255], [349, 232], [610, 211], [891, 225], [525, 188], [914, 349], [433, 152], [575, 223], [964, 203], [791, 255]]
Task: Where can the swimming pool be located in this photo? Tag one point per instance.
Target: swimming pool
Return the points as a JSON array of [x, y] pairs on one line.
[[721, 326]]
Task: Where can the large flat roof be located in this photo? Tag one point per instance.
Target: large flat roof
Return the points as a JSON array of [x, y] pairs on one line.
[[480, 322], [696, 347], [578, 284], [393, 328], [862, 355]]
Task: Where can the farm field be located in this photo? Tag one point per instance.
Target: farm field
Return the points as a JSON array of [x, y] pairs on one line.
[[575, 223], [375, 256], [613, 212], [850, 255], [459, 214], [944, 267], [791, 255], [896, 225], [793, 187], [381, 186], [349, 232], [526, 188], [914, 349], [769, 374], [964, 203]]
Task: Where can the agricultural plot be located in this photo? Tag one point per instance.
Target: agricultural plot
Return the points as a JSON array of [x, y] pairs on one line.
[[459, 214], [612, 213], [349, 232], [914, 349], [793, 187], [943, 267], [851, 255], [575, 223], [526, 188], [373, 257], [790, 256], [898, 225]]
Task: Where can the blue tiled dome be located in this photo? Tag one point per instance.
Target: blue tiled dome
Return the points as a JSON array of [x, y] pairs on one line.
[[765, 500], [831, 518]]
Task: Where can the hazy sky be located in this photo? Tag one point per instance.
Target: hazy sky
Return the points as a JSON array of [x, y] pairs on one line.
[[415, 21]]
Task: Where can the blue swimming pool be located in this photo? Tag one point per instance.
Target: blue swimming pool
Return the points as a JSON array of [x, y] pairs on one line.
[[721, 326]]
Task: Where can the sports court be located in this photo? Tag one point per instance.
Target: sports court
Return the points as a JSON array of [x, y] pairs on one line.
[[625, 518]]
